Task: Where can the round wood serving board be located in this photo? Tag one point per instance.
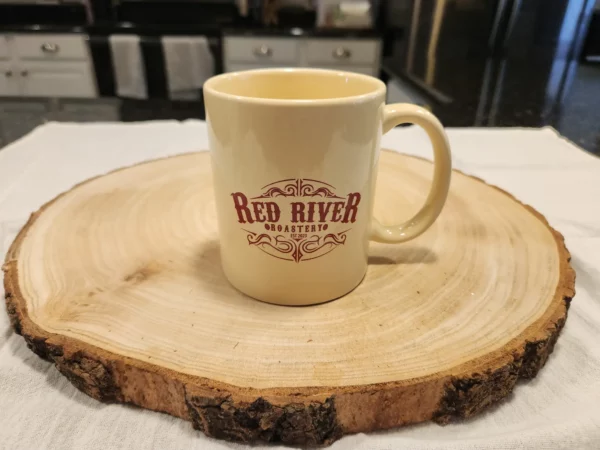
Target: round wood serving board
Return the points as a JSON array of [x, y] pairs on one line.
[[119, 283]]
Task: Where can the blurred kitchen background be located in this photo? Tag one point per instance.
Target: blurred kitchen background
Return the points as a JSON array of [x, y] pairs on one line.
[[482, 63]]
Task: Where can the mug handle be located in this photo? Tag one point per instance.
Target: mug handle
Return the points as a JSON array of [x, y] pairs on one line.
[[397, 114]]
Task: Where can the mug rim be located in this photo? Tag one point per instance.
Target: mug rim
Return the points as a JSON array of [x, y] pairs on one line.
[[379, 88]]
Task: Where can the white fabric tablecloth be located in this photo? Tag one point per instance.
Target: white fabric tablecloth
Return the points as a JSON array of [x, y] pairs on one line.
[[560, 409]]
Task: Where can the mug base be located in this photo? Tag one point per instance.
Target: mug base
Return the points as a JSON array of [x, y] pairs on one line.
[[295, 300]]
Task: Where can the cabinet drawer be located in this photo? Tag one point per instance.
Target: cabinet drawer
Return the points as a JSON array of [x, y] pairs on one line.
[[50, 46], [342, 51], [54, 79], [259, 50], [3, 48]]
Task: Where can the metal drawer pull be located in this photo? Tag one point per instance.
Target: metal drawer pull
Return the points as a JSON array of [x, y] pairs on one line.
[[9, 73], [342, 53], [48, 47], [263, 50], [24, 73]]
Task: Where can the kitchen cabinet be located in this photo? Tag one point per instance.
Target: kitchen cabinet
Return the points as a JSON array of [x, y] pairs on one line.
[[361, 55], [41, 79], [50, 47], [46, 65], [342, 52], [261, 50], [8, 80]]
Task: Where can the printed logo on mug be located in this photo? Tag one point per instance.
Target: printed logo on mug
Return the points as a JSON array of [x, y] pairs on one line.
[[296, 215], [294, 155]]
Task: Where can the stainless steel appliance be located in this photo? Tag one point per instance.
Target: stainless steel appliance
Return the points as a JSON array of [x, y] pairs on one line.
[[483, 54]]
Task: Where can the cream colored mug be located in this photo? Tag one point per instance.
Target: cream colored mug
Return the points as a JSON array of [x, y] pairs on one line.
[[294, 159]]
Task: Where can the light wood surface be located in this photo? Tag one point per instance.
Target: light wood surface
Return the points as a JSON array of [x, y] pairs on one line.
[[118, 281]]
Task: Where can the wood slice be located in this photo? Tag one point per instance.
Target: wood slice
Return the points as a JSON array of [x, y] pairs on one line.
[[119, 283]]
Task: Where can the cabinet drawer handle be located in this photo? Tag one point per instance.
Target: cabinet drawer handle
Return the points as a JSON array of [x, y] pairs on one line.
[[24, 73], [263, 51], [48, 47], [9, 73], [342, 53]]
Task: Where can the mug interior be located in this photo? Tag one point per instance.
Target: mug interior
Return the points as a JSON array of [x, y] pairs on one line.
[[294, 84]]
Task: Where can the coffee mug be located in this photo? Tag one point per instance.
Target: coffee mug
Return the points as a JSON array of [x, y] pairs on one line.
[[294, 157]]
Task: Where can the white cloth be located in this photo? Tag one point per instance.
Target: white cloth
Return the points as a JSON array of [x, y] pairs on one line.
[[560, 409], [128, 66], [189, 63]]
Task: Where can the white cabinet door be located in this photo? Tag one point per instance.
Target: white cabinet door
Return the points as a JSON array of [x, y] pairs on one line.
[[9, 85], [50, 47], [4, 53], [276, 51], [57, 79], [341, 52]]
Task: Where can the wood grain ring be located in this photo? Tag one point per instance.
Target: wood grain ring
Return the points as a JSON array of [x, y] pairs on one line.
[[293, 409]]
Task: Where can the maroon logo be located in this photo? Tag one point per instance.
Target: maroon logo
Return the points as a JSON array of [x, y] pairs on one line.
[[299, 218]]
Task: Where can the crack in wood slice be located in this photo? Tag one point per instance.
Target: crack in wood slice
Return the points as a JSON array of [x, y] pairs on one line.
[[131, 306]]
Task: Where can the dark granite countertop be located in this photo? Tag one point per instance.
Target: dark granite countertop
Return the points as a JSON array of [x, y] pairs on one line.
[[298, 32]]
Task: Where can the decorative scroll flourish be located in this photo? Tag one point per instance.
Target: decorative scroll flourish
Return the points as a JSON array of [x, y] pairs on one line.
[[292, 250], [298, 187], [302, 229]]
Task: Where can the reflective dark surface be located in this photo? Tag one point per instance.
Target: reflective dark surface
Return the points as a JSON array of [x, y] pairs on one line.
[[503, 63]]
